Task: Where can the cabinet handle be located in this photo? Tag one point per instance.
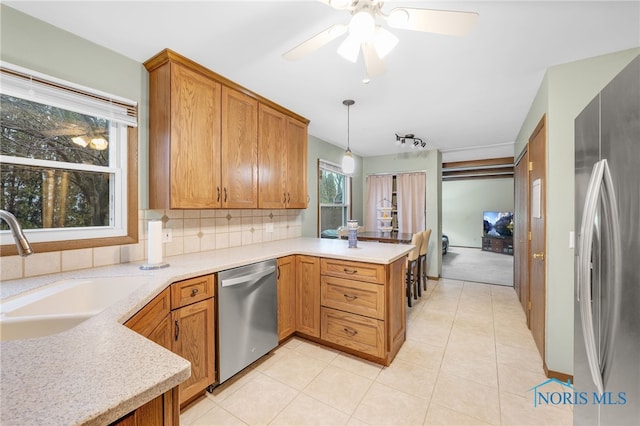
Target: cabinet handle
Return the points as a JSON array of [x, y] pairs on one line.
[[225, 194], [350, 296], [194, 292], [350, 271], [350, 331], [278, 275], [284, 199], [177, 331], [288, 198], [218, 189]]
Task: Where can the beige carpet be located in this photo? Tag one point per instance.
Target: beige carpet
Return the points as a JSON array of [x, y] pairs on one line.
[[471, 264]]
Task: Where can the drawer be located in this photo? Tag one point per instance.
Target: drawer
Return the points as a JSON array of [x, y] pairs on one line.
[[352, 331], [190, 291], [360, 271], [356, 297]]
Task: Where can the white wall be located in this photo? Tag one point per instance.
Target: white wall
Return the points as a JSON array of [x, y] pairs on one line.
[[565, 91], [463, 202]]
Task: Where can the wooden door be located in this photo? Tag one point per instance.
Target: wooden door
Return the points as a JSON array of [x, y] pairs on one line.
[[195, 140], [194, 340], [239, 167], [296, 164], [308, 295], [271, 158], [286, 297], [521, 234], [537, 196]]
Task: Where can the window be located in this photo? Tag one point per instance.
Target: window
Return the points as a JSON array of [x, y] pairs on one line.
[[65, 168], [333, 199]]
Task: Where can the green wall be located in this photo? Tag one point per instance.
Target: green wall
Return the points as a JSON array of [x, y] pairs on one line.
[[36, 45], [463, 202], [318, 149], [565, 91], [431, 162]]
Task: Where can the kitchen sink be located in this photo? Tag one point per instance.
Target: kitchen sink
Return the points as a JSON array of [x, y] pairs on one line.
[[61, 305]]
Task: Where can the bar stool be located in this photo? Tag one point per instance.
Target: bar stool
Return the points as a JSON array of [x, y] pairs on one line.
[[412, 277], [422, 261]]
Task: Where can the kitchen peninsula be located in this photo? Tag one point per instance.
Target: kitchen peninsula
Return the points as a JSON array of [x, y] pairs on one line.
[[99, 370]]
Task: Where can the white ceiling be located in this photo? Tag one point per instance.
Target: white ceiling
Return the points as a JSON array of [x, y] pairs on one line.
[[466, 96]]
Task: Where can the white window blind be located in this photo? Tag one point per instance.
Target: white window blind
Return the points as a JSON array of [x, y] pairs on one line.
[[30, 85]]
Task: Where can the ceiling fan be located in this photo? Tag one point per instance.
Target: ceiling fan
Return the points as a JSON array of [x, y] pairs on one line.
[[373, 39]]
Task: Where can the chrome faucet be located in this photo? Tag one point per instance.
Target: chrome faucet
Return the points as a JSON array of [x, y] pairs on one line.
[[24, 248]]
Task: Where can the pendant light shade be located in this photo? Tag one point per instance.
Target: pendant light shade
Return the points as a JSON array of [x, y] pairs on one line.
[[348, 163]]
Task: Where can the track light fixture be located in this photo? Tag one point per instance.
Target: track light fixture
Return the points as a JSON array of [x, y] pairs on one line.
[[410, 140]]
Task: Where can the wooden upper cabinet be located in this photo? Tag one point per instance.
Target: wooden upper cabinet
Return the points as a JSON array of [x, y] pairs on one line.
[[239, 150], [282, 153], [296, 164], [184, 138], [215, 144], [272, 159]]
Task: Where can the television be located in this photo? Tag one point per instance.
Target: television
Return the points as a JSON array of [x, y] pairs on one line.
[[497, 224]]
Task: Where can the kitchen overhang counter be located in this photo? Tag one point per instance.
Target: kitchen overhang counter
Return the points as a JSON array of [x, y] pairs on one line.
[[100, 370]]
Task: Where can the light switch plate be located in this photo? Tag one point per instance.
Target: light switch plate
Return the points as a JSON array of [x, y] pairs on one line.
[[572, 239], [167, 235], [269, 227]]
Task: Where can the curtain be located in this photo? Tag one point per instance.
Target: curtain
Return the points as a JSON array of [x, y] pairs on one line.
[[411, 193], [379, 189]]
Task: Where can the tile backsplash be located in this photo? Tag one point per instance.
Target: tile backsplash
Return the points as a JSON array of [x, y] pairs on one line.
[[192, 231]]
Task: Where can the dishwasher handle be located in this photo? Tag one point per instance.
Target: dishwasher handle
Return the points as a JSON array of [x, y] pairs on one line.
[[243, 279]]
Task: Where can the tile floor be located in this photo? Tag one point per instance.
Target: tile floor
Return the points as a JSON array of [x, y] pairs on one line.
[[469, 359]]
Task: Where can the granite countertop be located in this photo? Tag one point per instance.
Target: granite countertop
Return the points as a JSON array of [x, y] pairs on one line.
[[100, 370]]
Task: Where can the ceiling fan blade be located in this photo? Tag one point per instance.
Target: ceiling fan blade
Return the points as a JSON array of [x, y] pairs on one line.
[[433, 21], [316, 42], [375, 66]]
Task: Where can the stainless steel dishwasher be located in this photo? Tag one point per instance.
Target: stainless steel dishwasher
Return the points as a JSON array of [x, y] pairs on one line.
[[247, 315]]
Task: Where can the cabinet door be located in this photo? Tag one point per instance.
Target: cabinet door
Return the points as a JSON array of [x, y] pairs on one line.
[[194, 337], [286, 296], [239, 150], [308, 295], [271, 158], [296, 164], [195, 140]]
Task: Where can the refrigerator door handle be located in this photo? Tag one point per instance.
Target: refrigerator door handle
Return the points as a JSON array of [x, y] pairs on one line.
[[600, 187]]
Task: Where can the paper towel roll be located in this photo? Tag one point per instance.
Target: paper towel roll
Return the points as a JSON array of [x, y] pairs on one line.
[[154, 242]]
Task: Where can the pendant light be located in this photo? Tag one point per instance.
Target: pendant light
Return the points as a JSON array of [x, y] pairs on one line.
[[348, 163]]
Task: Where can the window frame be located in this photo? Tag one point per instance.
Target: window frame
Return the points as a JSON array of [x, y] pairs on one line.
[[124, 229], [332, 167]]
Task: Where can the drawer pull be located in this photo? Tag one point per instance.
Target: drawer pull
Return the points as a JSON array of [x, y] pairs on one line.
[[194, 292], [350, 331], [350, 296], [350, 271]]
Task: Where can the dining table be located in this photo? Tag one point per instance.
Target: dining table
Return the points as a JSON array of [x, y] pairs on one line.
[[394, 237]]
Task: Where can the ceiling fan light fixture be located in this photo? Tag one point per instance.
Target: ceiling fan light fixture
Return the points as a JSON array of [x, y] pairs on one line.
[[349, 49], [384, 41], [398, 18], [362, 26], [339, 4]]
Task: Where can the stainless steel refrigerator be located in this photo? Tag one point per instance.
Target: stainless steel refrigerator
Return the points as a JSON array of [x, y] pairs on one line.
[[607, 274]]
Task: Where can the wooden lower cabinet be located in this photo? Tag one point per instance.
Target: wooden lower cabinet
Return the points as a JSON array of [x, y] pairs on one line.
[[362, 307], [153, 321], [160, 411], [308, 295], [286, 297], [194, 340]]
